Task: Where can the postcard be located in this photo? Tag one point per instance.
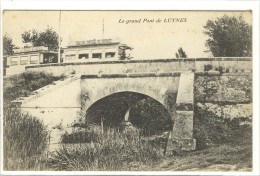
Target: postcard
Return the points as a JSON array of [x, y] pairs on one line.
[[98, 91]]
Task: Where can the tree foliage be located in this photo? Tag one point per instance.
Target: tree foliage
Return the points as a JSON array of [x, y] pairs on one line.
[[229, 37], [7, 45], [180, 53], [48, 38], [150, 117]]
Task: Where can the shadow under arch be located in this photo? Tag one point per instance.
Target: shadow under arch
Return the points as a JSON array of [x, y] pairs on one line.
[[143, 111]]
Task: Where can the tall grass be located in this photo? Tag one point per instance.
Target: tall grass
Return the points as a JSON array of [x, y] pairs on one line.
[[114, 151], [89, 134], [25, 139]]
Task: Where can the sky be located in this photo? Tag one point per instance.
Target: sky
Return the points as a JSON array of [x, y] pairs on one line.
[[146, 31]]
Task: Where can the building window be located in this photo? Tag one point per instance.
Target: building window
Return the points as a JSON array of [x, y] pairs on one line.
[[97, 55], [50, 58], [24, 60], [70, 57], [83, 56], [34, 59], [110, 54], [14, 61]]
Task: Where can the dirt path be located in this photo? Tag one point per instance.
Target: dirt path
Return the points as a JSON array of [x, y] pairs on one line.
[[218, 158], [171, 165]]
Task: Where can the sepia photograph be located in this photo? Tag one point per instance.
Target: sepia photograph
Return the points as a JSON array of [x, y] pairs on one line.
[[107, 90]]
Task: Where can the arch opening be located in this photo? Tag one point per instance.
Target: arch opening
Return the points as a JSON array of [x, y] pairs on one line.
[[141, 111]]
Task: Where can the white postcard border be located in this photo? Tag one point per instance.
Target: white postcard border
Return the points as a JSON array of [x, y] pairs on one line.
[[150, 5]]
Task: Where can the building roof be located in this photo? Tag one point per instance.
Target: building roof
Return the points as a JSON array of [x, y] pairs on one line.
[[30, 49], [94, 42], [40, 49]]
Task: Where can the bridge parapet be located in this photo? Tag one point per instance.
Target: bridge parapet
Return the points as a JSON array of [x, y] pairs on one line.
[[230, 64], [131, 75]]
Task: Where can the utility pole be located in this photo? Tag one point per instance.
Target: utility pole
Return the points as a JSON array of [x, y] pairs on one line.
[[59, 55], [103, 29]]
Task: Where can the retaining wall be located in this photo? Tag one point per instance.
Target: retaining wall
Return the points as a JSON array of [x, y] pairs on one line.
[[227, 95]]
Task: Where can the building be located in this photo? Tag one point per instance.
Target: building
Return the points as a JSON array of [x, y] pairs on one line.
[[23, 57], [78, 51], [93, 50]]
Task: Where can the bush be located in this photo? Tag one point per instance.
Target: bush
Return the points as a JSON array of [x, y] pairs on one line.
[[208, 67], [84, 135], [114, 151], [25, 140], [220, 69], [36, 80], [23, 84]]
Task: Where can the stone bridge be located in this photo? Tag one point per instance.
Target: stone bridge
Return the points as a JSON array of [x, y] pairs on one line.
[[65, 102]]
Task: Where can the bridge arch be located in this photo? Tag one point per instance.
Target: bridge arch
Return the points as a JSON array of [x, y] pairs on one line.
[[162, 89], [141, 110]]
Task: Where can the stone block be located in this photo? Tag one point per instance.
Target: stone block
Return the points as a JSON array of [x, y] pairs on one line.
[[238, 111], [183, 125], [233, 95], [185, 90], [184, 107]]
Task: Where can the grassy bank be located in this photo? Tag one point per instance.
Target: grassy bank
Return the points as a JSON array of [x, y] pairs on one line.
[[23, 84], [25, 137], [113, 151], [126, 151], [225, 157]]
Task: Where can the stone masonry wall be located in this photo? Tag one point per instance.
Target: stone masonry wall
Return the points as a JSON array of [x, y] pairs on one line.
[[227, 95]]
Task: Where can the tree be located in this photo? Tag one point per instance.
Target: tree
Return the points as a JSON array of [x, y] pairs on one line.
[[7, 45], [229, 37], [48, 38], [181, 53], [150, 117]]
